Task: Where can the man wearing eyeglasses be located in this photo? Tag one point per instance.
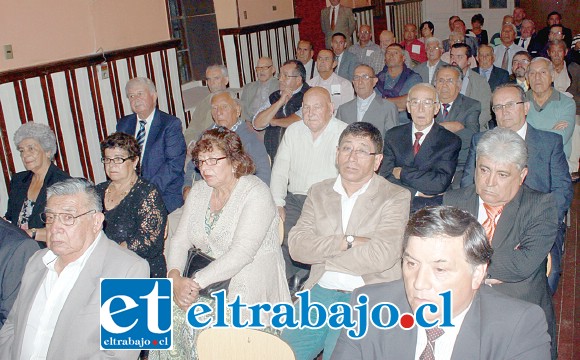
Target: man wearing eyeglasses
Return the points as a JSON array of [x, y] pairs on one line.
[[520, 64], [350, 230], [547, 166], [56, 314], [427, 69], [365, 48], [257, 92], [161, 140], [421, 155], [368, 106]]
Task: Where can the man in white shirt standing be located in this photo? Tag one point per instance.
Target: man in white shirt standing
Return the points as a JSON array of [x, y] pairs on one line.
[[306, 156], [56, 314], [340, 89], [350, 230]]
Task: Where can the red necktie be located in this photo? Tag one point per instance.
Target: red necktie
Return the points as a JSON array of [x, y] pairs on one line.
[[416, 145], [432, 335], [333, 19], [489, 224], [445, 111]]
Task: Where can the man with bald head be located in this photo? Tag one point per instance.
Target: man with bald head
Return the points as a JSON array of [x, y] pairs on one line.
[[256, 93], [365, 47], [340, 89], [305, 157], [422, 155], [304, 53]]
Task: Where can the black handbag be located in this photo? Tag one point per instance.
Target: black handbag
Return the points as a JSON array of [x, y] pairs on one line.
[[197, 260]]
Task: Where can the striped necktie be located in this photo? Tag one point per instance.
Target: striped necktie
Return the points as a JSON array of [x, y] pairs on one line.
[[141, 134]]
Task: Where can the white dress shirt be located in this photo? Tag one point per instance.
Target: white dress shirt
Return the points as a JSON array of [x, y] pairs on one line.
[[362, 105], [336, 280], [302, 161], [444, 344], [48, 303], [424, 131], [499, 51], [149, 120]]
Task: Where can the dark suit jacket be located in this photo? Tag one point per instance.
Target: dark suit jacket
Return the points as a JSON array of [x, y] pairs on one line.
[[469, 40], [523, 237], [382, 113], [19, 192], [348, 62], [547, 167], [497, 77], [15, 250], [495, 327], [431, 171], [465, 110], [164, 157], [76, 334]]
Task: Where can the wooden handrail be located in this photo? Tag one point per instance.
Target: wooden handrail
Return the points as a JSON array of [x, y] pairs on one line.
[[260, 27]]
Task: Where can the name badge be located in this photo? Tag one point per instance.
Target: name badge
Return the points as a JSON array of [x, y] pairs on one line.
[[335, 89], [370, 52], [416, 49]]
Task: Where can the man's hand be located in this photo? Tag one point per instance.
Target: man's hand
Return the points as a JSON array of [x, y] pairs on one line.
[[282, 213], [560, 125], [397, 172]]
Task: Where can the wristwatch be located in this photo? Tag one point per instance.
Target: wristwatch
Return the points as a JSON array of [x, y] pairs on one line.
[[349, 241], [33, 234]]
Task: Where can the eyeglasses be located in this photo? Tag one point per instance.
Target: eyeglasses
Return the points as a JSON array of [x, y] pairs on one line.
[[524, 61], [362, 77], [442, 81], [359, 153], [431, 48], [65, 219], [283, 75], [425, 102], [117, 160], [365, 32], [137, 95], [507, 106], [263, 67], [210, 161]]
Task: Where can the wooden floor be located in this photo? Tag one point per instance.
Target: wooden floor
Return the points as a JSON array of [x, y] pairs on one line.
[[567, 298]]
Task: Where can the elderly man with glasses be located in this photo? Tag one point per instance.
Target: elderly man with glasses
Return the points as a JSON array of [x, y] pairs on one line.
[[56, 314], [421, 155]]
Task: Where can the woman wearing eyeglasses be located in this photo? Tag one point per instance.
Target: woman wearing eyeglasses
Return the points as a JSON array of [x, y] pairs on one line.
[[135, 214], [230, 216], [27, 198]]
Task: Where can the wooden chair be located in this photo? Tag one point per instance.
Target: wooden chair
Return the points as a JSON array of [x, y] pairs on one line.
[[241, 344]]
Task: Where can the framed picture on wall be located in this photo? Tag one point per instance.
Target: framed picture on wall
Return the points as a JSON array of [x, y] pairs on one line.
[[498, 4], [471, 4]]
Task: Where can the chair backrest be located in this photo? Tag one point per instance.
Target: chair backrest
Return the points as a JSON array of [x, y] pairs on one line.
[[241, 344]]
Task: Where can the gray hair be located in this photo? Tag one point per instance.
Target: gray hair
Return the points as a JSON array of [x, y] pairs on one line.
[[529, 21], [436, 221], [548, 61], [77, 186], [504, 146], [142, 81], [557, 42], [423, 85], [365, 66], [39, 132], [219, 67], [433, 39], [450, 67], [513, 27]]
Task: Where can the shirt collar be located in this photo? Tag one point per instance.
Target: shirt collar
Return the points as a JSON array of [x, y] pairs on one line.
[[49, 259], [424, 131], [340, 189]]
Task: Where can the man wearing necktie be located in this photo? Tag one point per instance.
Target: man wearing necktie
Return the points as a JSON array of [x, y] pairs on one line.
[[505, 51], [445, 249], [421, 155], [521, 223], [337, 18], [494, 75], [161, 139]]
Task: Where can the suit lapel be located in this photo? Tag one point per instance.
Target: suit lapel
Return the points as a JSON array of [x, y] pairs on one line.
[[407, 145], [151, 137], [468, 342], [363, 207], [425, 151], [371, 112], [332, 204]]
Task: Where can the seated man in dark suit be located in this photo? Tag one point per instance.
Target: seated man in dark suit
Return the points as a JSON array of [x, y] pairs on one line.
[[445, 249], [368, 106], [495, 76], [520, 223], [421, 155], [161, 139], [15, 250], [396, 79], [547, 166], [459, 113], [283, 107]]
